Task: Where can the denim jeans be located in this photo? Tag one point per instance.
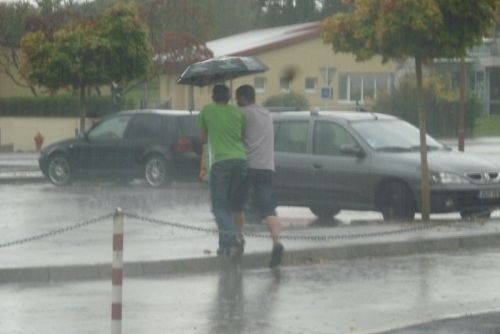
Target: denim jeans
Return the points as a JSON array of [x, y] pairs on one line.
[[228, 191]]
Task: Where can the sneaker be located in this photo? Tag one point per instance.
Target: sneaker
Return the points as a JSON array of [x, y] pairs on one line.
[[237, 249], [241, 244], [276, 255], [234, 251], [222, 251]]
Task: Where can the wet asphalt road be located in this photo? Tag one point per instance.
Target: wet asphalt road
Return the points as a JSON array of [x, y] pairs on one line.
[[360, 296], [39, 207]]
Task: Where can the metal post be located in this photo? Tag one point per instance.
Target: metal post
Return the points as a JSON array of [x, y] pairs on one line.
[[191, 98], [117, 273]]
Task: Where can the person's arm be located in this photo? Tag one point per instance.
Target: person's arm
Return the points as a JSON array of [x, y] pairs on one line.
[[203, 136], [243, 125], [203, 128]]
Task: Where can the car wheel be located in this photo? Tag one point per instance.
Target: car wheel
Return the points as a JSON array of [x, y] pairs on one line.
[[471, 214], [324, 211], [59, 170], [396, 201], [156, 171]]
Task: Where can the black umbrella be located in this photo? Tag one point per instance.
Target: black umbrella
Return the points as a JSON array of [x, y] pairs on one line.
[[216, 70]]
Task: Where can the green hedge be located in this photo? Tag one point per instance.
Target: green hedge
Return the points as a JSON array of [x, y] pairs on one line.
[[60, 106], [441, 104], [288, 101]]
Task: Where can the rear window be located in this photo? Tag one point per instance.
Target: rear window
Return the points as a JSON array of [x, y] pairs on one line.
[[188, 125], [144, 126]]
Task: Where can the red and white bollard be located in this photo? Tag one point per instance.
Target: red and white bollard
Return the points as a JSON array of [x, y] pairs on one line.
[[117, 273]]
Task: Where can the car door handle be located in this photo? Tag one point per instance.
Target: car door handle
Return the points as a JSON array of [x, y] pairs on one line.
[[317, 166]]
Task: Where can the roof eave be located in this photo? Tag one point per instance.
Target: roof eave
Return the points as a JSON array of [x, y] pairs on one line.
[[312, 33]]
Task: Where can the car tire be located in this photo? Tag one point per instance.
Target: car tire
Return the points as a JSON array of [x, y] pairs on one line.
[[59, 170], [324, 211], [397, 202], [157, 171], [471, 214]]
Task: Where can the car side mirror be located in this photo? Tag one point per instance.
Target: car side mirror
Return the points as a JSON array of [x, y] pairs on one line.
[[354, 150]]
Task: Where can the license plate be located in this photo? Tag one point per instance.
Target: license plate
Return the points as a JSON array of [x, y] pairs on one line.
[[489, 193]]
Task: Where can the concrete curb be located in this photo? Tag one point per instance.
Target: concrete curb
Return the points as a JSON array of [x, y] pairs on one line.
[[201, 265]]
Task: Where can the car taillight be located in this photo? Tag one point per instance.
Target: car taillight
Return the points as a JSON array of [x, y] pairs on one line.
[[183, 145]]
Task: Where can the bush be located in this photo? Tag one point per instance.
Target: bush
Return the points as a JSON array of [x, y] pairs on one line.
[[59, 106], [288, 101], [441, 104]]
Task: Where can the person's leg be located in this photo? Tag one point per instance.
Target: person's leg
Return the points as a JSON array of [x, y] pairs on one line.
[[220, 180], [274, 226], [239, 220], [262, 183], [238, 196]]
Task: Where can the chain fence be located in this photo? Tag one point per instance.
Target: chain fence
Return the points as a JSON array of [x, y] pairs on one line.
[[56, 231], [302, 237], [414, 227]]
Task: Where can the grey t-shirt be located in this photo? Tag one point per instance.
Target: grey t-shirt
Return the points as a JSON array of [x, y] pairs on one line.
[[259, 137]]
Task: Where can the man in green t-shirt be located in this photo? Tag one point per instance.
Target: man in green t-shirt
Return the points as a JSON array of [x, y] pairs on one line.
[[223, 126]]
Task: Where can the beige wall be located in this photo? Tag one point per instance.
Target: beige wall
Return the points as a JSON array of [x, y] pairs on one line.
[[20, 131], [9, 88], [306, 58]]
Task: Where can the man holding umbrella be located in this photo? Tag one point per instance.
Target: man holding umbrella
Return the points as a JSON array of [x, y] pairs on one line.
[[222, 126]]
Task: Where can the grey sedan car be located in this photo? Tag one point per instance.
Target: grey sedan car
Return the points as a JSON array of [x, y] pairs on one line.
[[329, 161]]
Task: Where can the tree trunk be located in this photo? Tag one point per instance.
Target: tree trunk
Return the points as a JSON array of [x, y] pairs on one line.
[[146, 95], [422, 120], [461, 112], [81, 109]]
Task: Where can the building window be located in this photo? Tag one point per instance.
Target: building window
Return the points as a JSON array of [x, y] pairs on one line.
[[284, 84], [310, 85], [260, 84], [362, 87]]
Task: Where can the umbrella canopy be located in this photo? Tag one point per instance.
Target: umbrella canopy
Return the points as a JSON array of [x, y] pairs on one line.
[[216, 70]]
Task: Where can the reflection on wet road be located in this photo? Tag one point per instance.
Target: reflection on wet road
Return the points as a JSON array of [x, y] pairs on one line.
[[357, 296]]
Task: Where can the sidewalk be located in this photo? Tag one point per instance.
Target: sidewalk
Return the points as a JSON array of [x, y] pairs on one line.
[[151, 249], [19, 167]]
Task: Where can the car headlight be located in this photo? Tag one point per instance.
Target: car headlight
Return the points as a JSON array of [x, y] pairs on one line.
[[448, 178]]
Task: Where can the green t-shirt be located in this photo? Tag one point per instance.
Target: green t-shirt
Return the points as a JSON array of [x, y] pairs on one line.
[[224, 125]]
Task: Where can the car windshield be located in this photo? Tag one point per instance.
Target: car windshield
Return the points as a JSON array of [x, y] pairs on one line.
[[393, 136]]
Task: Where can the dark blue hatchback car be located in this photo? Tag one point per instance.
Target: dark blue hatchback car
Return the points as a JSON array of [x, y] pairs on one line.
[[157, 145]]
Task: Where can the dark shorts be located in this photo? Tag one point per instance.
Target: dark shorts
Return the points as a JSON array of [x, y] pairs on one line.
[[261, 185]]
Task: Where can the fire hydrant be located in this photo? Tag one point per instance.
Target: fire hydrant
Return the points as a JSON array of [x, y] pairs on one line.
[[38, 141]]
